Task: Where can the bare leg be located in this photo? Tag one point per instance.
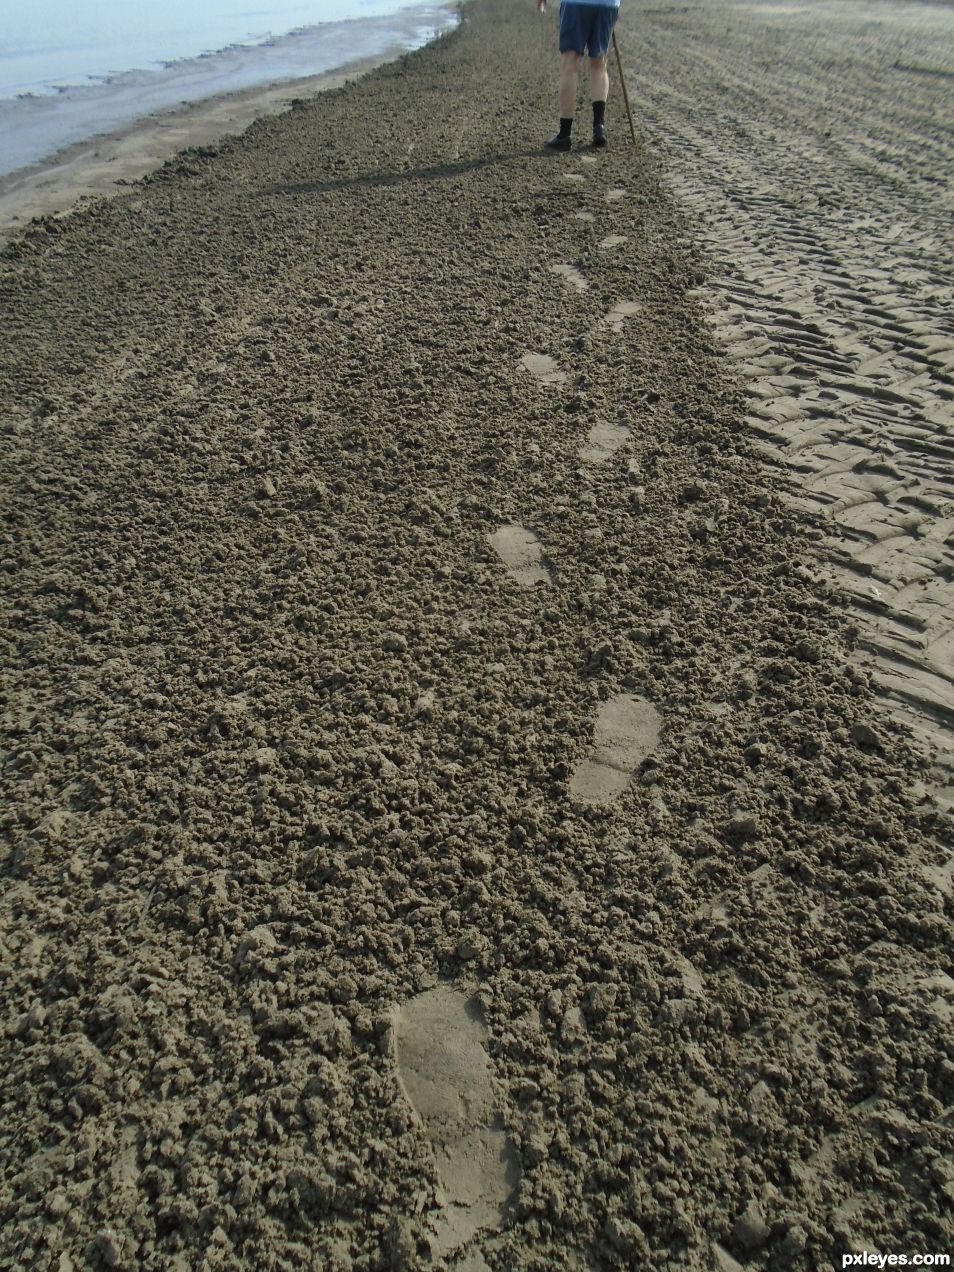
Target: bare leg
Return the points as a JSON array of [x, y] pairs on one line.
[[599, 79], [569, 69]]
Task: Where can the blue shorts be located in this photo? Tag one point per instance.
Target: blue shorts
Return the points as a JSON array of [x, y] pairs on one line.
[[587, 26]]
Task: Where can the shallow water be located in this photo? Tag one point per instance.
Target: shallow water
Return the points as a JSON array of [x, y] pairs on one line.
[[51, 44], [58, 91]]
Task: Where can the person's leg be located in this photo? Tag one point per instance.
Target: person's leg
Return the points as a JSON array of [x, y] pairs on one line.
[[569, 72], [572, 46], [603, 23], [599, 90], [599, 79]]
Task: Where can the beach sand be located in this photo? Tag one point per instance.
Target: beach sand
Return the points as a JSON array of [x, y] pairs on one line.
[[104, 165], [826, 220], [449, 823]]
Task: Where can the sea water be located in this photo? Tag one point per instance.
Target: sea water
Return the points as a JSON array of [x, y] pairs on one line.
[[70, 69]]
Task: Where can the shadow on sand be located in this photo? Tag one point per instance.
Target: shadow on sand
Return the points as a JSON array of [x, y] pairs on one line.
[[439, 173]]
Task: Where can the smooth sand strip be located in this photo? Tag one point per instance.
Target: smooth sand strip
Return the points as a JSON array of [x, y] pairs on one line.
[[445, 1073], [603, 441], [522, 554], [627, 731]]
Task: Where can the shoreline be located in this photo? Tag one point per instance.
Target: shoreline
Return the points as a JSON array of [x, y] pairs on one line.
[[105, 165]]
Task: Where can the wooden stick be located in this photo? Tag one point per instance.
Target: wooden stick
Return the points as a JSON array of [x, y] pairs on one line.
[[622, 81]]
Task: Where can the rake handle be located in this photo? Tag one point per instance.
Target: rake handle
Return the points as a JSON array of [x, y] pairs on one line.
[[622, 83]]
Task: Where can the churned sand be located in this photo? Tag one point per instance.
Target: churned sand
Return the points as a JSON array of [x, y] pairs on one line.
[[451, 816]]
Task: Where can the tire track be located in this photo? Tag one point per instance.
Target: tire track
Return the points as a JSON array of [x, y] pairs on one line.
[[830, 288]]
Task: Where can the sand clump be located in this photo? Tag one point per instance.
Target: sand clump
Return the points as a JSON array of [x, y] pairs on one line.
[[290, 753]]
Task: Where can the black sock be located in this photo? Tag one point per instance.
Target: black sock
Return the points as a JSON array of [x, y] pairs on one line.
[[565, 126], [599, 113]]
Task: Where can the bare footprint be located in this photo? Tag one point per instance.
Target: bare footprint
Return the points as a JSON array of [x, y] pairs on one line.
[[627, 730], [543, 368], [522, 554], [572, 276], [573, 176], [584, 216], [603, 441], [613, 240], [445, 1074], [615, 194], [622, 310]]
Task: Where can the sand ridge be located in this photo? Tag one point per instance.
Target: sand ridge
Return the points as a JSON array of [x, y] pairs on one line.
[[291, 754]]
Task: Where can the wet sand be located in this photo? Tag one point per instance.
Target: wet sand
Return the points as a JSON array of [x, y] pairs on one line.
[[450, 821], [102, 166]]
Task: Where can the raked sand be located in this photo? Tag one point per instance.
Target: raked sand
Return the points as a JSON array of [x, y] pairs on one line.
[[450, 821], [815, 154]]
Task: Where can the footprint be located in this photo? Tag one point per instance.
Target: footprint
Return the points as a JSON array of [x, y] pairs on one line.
[[622, 310], [472, 1261], [692, 980], [603, 441], [613, 240], [522, 554], [584, 216], [615, 194], [587, 158], [572, 275], [942, 877], [627, 730], [573, 176], [543, 368], [444, 1071]]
